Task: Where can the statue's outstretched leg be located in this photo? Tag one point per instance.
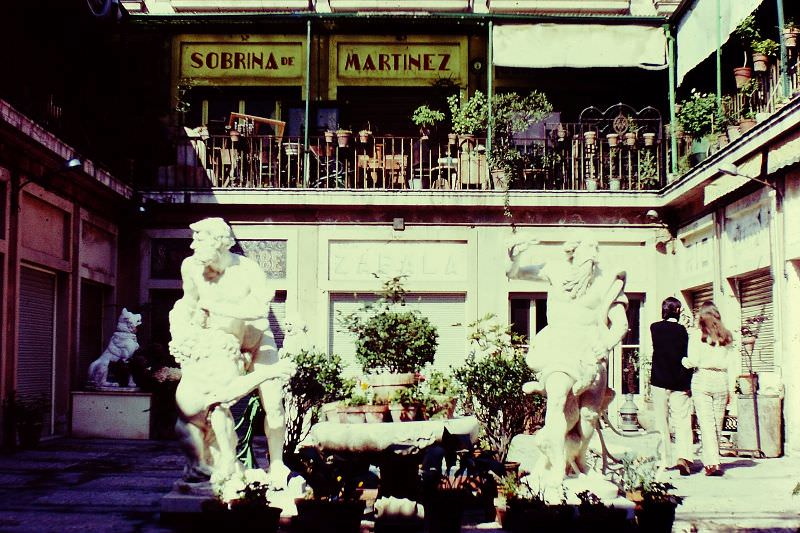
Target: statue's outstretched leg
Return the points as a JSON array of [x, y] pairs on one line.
[[225, 463], [556, 426], [192, 441]]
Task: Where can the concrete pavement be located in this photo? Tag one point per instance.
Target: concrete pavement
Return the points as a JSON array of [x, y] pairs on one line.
[[98, 485]]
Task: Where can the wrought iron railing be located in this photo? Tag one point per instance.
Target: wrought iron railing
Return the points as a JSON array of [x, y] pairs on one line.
[[580, 156]]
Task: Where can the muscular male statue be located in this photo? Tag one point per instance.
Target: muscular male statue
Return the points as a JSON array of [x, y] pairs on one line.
[[586, 320], [221, 337]]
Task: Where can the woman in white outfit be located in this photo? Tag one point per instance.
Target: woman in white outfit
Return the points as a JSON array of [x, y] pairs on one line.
[[711, 353]]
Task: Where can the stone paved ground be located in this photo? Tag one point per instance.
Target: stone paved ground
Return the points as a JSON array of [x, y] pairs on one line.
[[115, 486]]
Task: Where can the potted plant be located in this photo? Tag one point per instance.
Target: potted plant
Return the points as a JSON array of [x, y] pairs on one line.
[[439, 395], [332, 501], [648, 170], [329, 135], [492, 379], [747, 383], [365, 134], [426, 118], [512, 114], [362, 405], [343, 137], [763, 49], [595, 515], [524, 506], [392, 343], [469, 119], [655, 501], [790, 33], [405, 403], [318, 380], [696, 118], [240, 502]]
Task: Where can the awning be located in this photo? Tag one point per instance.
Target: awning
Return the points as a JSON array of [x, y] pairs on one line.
[[785, 153], [697, 31], [727, 184], [578, 45]]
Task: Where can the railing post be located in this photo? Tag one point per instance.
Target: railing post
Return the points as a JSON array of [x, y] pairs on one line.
[[673, 141], [307, 95], [489, 88], [784, 55]]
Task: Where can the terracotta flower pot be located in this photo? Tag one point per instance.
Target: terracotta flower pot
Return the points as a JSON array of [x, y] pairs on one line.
[[613, 139], [649, 139], [790, 37], [742, 75], [760, 62]]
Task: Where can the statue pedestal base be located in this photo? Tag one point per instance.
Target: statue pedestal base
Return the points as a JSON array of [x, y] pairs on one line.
[[111, 415]]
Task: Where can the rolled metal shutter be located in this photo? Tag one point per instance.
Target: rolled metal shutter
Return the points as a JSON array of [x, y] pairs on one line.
[[277, 317], [698, 297], [443, 310], [37, 301], [755, 298]]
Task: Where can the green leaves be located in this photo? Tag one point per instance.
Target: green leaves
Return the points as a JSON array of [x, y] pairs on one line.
[[388, 339], [492, 378], [697, 113]]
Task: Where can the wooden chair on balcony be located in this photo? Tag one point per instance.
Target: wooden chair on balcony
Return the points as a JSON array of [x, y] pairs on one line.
[[267, 158], [394, 169]]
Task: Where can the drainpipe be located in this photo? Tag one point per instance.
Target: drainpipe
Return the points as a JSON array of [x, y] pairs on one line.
[[307, 96], [673, 126], [784, 54], [489, 87], [719, 58]]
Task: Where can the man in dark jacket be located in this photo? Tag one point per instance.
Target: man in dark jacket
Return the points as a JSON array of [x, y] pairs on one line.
[[670, 383]]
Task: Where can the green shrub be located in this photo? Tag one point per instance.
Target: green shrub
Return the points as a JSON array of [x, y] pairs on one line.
[[318, 380], [697, 114], [492, 379], [388, 339]]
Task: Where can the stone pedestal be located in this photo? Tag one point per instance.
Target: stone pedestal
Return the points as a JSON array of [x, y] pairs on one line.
[[111, 415]]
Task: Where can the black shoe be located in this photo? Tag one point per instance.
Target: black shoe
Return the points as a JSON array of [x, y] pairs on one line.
[[713, 470]]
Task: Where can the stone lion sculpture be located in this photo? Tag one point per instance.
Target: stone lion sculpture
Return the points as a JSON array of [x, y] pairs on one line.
[[121, 347]]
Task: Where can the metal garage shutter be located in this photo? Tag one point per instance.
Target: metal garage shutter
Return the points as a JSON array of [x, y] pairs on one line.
[[698, 297], [37, 300], [755, 297], [443, 310], [277, 317]]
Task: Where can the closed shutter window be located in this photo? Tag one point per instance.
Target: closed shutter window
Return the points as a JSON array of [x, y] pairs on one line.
[[277, 317], [698, 297], [37, 300], [443, 310], [755, 297]]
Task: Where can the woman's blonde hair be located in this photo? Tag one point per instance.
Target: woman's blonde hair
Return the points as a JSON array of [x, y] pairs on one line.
[[712, 330]]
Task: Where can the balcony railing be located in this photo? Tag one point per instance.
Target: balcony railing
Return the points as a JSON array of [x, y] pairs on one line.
[[565, 157]]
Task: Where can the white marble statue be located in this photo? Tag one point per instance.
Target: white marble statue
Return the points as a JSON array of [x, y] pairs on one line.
[[586, 320], [221, 338], [120, 348]]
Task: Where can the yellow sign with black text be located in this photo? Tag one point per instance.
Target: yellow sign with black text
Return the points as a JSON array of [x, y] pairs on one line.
[[241, 60]]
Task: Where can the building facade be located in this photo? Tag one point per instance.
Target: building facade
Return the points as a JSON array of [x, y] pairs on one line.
[[231, 93]]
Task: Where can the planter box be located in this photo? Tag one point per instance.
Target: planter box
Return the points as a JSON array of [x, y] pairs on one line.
[[111, 415]]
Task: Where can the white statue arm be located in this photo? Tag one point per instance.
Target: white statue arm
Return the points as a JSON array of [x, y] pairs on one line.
[[531, 271], [255, 303], [239, 387]]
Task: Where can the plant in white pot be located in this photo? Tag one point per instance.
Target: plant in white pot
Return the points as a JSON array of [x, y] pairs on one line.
[[393, 343]]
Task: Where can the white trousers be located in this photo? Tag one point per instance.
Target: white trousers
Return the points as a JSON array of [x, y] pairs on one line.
[[710, 395], [676, 406]]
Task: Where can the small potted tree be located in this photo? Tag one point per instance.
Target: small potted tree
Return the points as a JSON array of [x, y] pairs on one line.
[[393, 343], [763, 50], [747, 383], [492, 379], [696, 118], [426, 118], [470, 118]]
